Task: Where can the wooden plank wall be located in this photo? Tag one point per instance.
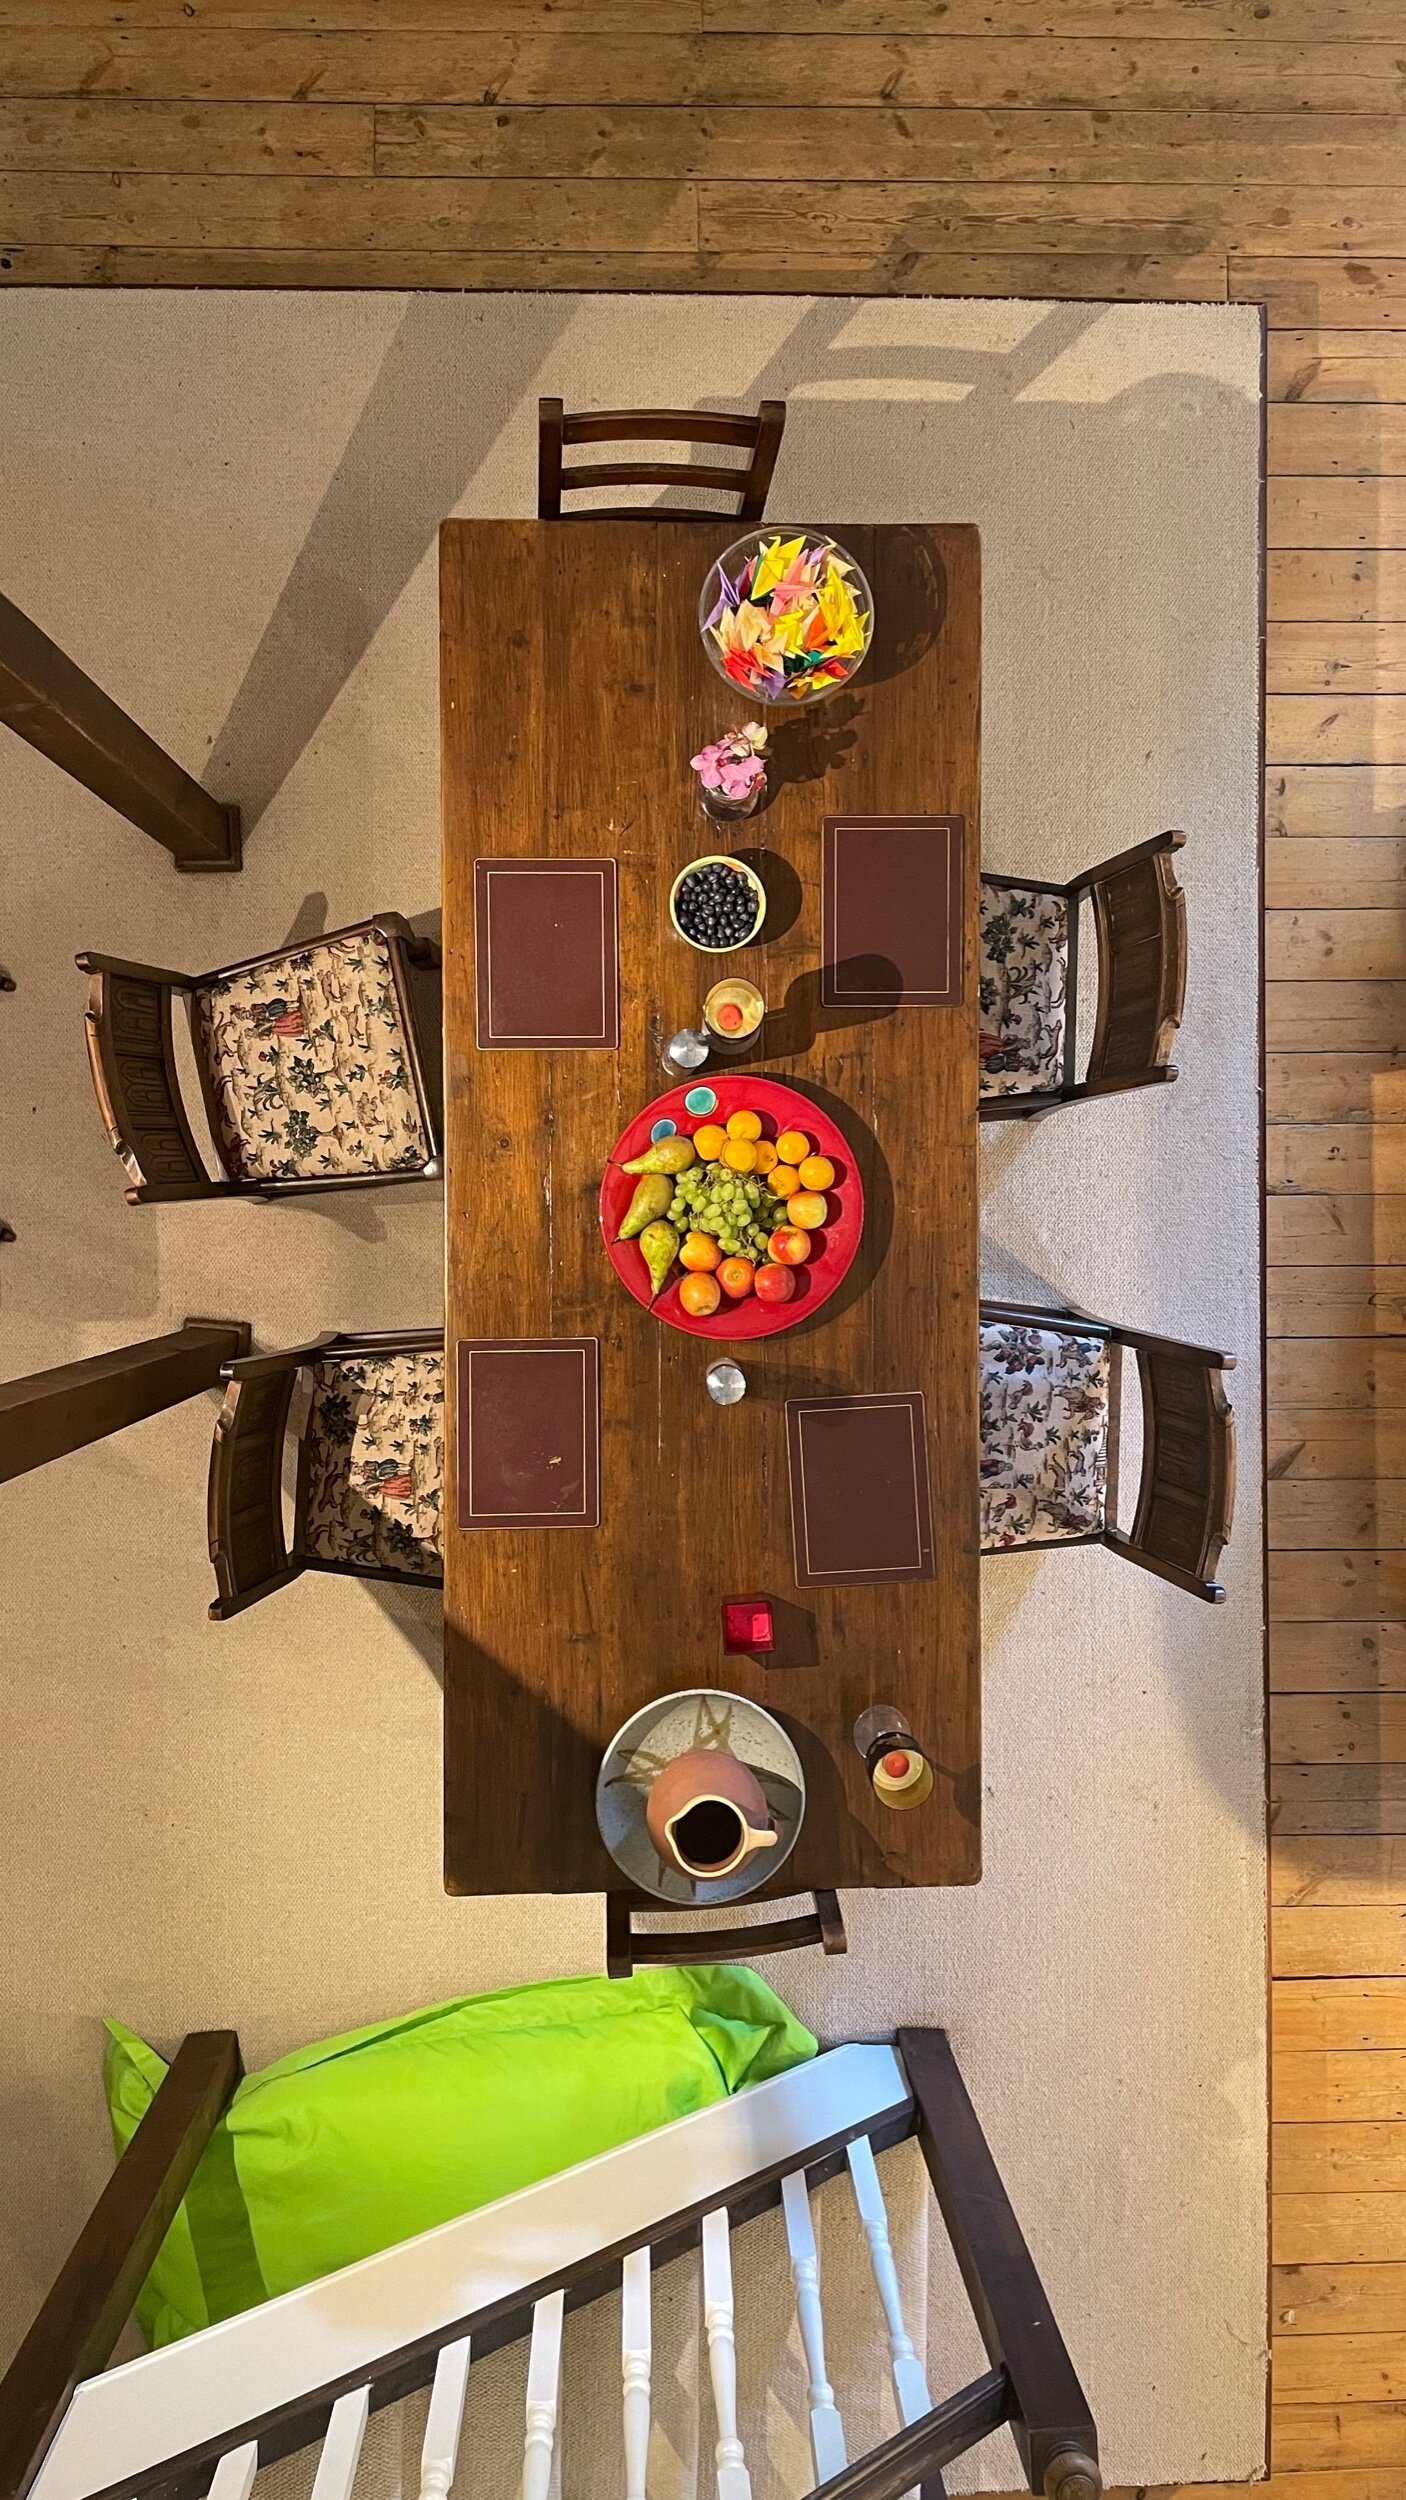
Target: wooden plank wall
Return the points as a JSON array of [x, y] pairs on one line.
[[1132, 148]]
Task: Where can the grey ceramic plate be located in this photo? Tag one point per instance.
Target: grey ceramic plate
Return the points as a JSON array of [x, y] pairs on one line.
[[674, 1724]]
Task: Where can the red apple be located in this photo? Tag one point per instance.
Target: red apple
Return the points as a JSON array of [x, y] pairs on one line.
[[789, 1245], [773, 1284]]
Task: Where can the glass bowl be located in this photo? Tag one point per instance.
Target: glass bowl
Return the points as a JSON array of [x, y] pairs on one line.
[[756, 643]]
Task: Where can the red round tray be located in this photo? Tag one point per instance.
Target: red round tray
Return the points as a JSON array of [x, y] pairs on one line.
[[780, 1108]]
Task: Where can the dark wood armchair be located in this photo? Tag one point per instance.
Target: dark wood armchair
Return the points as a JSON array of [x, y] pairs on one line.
[[314, 1070], [1050, 1405], [759, 436], [1029, 981], [369, 1465]]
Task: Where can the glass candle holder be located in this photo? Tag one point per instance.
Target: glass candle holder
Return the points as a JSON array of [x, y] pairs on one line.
[[899, 1767]]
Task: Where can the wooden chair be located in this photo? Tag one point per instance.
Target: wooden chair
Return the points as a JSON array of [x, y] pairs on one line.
[[629, 1948], [370, 1465], [1050, 1401], [1029, 967], [313, 1071], [759, 436]]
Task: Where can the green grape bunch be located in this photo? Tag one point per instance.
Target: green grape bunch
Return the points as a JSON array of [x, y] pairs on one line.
[[736, 1208]]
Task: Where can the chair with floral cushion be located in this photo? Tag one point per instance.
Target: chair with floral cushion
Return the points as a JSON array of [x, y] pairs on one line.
[[1050, 1400], [1028, 984], [369, 1477], [314, 1070]]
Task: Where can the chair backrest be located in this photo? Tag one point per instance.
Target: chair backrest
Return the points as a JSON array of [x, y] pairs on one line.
[[629, 1948], [1186, 1495], [131, 1054], [759, 436], [1140, 929], [250, 1550], [248, 1546]]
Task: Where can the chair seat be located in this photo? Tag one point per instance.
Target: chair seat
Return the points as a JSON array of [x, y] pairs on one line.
[[1044, 1433], [374, 1456], [310, 1066], [1024, 977]]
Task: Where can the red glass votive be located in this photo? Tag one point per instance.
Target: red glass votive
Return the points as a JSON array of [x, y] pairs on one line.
[[748, 1629]]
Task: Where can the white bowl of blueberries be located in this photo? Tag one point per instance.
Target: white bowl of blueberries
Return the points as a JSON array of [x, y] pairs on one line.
[[717, 903]]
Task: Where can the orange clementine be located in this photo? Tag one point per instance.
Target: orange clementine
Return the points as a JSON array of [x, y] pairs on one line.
[[817, 1171], [700, 1252], [700, 1295], [745, 1124], [805, 1207], [792, 1146], [735, 1277], [740, 1155], [709, 1141], [782, 1180], [767, 1157]]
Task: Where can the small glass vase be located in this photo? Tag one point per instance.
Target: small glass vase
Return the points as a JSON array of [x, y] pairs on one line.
[[726, 811]]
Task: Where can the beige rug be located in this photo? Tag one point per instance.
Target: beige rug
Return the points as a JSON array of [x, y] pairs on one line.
[[225, 506]]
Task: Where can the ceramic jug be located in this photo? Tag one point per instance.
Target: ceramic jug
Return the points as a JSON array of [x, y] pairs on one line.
[[707, 1813]]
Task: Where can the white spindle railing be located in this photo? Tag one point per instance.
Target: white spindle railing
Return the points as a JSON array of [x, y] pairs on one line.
[[543, 2392], [910, 2384], [636, 2347], [341, 2447], [234, 2475], [440, 2449], [734, 2481], [827, 2436]]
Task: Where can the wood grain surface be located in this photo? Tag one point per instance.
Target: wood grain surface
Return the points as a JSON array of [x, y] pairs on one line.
[[574, 690]]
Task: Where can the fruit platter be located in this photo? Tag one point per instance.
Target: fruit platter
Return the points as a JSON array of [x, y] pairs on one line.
[[731, 1207]]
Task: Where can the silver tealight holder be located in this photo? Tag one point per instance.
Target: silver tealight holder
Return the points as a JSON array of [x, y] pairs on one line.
[[726, 1383], [687, 1052]]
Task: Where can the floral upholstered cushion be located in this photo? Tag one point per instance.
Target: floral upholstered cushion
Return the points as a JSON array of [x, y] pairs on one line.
[[310, 1066], [1023, 982], [1044, 1433], [374, 1454]]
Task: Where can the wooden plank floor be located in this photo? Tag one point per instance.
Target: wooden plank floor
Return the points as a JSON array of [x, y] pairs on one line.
[[1254, 149]]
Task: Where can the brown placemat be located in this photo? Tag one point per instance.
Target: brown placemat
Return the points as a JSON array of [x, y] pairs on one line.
[[891, 911], [528, 1441], [860, 1506], [547, 954]]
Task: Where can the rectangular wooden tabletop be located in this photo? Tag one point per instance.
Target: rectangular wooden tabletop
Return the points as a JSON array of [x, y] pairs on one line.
[[574, 689]]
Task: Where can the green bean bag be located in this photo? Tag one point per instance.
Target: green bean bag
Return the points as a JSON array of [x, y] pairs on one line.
[[354, 2143]]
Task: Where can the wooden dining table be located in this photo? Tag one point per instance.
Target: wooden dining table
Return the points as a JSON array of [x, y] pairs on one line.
[[574, 690]]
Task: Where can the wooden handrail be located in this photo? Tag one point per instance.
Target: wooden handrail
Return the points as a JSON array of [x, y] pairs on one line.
[[1049, 2414], [48, 700], [47, 1414], [75, 2331]]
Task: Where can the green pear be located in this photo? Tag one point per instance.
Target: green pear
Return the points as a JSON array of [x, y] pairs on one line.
[[654, 1195], [667, 1154], [660, 1244]]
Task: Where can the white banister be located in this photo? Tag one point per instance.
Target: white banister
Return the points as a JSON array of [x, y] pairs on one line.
[[341, 2447], [234, 2475], [440, 2451], [734, 2481], [910, 2384], [636, 2347], [543, 2391], [827, 2437], [195, 2395]]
